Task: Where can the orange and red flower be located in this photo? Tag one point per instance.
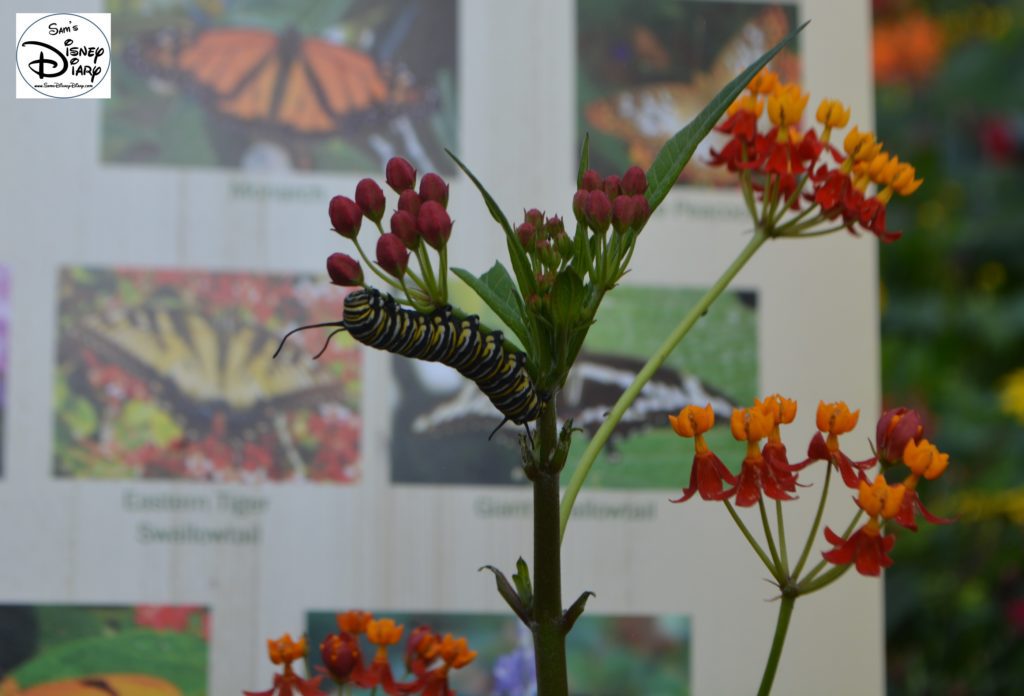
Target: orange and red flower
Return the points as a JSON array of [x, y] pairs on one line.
[[284, 651], [707, 472]]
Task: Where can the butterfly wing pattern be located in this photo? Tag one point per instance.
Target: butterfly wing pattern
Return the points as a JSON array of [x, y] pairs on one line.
[[646, 115], [593, 386], [181, 392]]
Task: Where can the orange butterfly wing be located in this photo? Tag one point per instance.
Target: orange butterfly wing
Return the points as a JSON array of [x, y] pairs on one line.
[[305, 85]]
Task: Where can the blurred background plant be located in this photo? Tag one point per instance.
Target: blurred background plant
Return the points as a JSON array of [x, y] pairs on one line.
[[950, 98]]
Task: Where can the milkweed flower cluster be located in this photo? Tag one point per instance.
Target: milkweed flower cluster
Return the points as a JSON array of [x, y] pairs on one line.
[[766, 472], [419, 223], [804, 184], [429, 658]]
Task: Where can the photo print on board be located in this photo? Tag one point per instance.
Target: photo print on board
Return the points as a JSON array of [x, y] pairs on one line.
[[84, 650], [341, 85], [170, 374], [5, 321], [607, 656], [647, 69], [442, 421]]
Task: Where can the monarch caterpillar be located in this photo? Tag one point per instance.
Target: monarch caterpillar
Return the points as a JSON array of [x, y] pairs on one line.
[[376, 320]]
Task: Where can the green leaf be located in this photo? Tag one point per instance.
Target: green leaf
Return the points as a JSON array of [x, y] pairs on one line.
[[674, 155], [521, 578], [584, 160], [520, 263], [581, 254], [567, 296], [496, 289], [574, 612], [508, 593]]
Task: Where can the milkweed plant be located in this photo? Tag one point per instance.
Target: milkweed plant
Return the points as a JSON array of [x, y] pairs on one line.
[[796, 182]]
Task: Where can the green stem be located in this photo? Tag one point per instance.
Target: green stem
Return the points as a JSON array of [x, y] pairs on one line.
[[782, 536], [822, 563], [781, 627], [373, 267], [814, 527], [548, 635], [753, 543], [423, 256], [645, 374], [768, 536], [789, 201], [825, 580]]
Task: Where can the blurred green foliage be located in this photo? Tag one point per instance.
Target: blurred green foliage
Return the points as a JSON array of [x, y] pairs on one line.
[[953, 330]]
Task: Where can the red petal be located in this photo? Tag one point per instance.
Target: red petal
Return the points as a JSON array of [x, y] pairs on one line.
[[929, 516]]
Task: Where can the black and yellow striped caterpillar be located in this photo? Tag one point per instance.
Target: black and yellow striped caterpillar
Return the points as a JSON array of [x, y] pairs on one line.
[[376, 320]]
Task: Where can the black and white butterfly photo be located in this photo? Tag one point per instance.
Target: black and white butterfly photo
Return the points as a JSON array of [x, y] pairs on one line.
[[442, 424]]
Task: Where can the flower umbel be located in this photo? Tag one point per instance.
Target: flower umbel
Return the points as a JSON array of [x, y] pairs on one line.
[[792, 172]]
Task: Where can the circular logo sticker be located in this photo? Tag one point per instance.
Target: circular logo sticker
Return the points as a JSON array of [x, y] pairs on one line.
[[63, 55]]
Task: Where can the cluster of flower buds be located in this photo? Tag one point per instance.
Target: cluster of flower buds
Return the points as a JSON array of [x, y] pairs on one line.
[[546, 244], [420, 220], [429, 657], [794, 172], [766, 470], [612, 203]]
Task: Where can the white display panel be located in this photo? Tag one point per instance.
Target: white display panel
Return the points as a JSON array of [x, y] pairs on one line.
[[74, 200]]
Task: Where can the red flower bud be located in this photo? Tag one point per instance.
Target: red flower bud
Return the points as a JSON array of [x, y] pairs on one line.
[[527, 234], [634, 181], [370, 198], [623, 213], [344, 270], [895, 429], [392, 255], [400, 174], [410, 202], [591, 180], [403, 226], [554, 227], [534, 217], [598, 210], [433, 188], [579, 205], [346, 217], [340, 655], [642, 211], [434, 224], [611, 186]]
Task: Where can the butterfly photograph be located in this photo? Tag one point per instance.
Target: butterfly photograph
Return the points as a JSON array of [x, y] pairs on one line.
[[311, 85], [145, 650], [171, 374], [645, 70], [5, 319], [443, 424]]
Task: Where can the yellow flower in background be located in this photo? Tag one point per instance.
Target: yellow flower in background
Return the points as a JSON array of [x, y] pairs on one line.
[[1011, 396]]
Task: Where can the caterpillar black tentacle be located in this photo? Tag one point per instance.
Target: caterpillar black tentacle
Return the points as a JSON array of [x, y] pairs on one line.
[[376, 320]]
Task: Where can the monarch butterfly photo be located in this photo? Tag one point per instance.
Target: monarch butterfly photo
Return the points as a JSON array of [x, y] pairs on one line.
[[646, 70], [54, 650], [437, 407], [340, 85], [168, 374]]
